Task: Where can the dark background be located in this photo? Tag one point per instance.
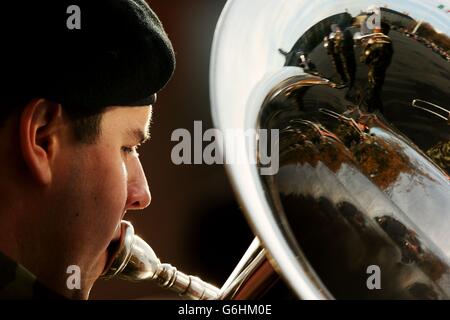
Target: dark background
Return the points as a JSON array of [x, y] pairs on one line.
[[194, 221]]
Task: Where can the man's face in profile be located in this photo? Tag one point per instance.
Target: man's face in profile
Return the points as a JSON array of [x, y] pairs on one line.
[[71, 119], [92, 187]]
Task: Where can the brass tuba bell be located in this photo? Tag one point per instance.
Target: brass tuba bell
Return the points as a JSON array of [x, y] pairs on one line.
[[359, 97]]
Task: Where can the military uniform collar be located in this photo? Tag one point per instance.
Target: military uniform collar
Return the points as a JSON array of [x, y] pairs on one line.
[[17, 283]]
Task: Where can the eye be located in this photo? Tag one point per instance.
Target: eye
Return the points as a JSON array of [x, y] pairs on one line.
[[130, 150]]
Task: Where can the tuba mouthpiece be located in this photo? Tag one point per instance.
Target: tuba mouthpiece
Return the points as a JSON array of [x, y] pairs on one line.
[[136, 261]]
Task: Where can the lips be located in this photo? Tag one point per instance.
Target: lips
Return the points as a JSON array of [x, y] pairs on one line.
[[117, 233], [114, 247]]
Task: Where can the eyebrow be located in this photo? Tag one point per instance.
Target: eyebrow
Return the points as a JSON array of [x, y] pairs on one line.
[[139, 135]]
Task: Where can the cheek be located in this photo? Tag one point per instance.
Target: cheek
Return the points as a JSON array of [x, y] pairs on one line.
[[108, 193], [88, 200], [112, 192], [102, 196]]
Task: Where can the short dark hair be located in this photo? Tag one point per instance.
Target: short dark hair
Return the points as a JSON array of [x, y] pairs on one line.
[[84, 123]]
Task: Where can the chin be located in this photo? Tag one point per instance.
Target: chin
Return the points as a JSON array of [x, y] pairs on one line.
[[94, 273], [101, 264]]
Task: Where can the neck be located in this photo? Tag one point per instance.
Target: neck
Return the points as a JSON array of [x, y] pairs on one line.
[[24, 239]]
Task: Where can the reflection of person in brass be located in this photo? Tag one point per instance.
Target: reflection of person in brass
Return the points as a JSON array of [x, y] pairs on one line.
[[74, 109], [306, 63], [377, 51], [440, 154], [339, 46]]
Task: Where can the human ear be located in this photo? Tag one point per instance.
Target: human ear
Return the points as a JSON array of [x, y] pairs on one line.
[[40, 124]]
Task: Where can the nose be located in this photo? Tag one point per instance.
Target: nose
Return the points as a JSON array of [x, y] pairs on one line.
[[139, 196]]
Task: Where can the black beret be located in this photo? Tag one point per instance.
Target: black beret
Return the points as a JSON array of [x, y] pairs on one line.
[[118, 54]]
